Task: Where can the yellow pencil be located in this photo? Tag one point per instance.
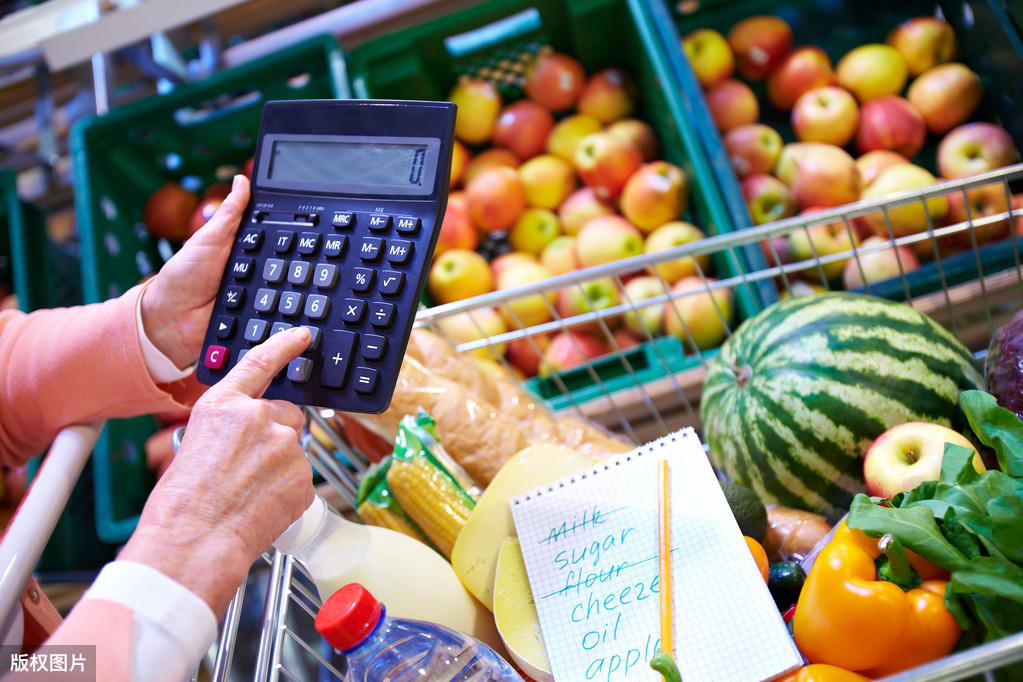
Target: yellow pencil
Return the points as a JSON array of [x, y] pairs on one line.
[[664, 528]]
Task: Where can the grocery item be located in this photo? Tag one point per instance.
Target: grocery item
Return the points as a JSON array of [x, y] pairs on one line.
[[785, 580], [336, 552], [799, 392], [1003, 369], [747, 508], [515, 614], [793, 533], [378, 646]]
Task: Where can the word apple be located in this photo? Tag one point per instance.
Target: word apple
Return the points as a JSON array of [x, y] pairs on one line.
[[458, 274], [479, 103], [924, 42], [818, 242], [523, 127], [767, 198], [908, 454], [826, 114], [975, 148], [534, 230], [732, 103], [710, 56], [878, 260], [657, 193], [805, 68], [753, 149], [891, 122], [608, 95], [905, 219], [946, 96], [871, 71], [496, 198], [760, 44], [646, 319], [168, 210], [555, 81], [699, 314], [607, 238], [605, 162]]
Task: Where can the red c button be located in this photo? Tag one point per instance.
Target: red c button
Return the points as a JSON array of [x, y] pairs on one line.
[[216, 357]]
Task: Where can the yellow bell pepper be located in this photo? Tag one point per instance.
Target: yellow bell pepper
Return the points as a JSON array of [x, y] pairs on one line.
[[847, 616], [821, 672]]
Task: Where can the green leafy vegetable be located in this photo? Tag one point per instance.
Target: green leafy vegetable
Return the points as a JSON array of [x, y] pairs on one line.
[[996, 427]]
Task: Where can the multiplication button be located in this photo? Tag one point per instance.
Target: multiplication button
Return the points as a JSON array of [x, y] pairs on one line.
[[365, 379], [352, 310], [337, 357]]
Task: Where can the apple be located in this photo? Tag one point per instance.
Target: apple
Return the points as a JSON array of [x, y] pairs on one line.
[[525, 354], [570, 349], [978, 202], [788, 160], [460, 157], [566, 133], [760, 44], [825, 175], [587, 297], [605, 162], [523, 127], [473, 325], [872, 163], [623, 339], [877, 260], [827, 114], [767, 198], [459, 274], [891, 122], [479, 102], [657, 193], [818, 241], [168, 211], [639, 133], [798, 288], [457, 230], [669, 236], [644, 320], [732, 103], [776, 250], [1017, 221], [203, 212], [547, 180], [560, 256], [534, 230], [753, 149], [247, 167], [908, 454], [580, 206], [606, 238], [924, 42], [608, 95], [946, 96], [522, 312], [710, 56], [698, 314], [805, 68], [975, 148], [496, 198], [555, 80], [507, 260], [908, 218], [491, 157], [872, 70]]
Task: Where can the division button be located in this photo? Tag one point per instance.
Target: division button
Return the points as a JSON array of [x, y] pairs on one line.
[[216, 357], [381, 315], [225, 326], [365, 379], [372, 346], [299, 370], [337, 357]]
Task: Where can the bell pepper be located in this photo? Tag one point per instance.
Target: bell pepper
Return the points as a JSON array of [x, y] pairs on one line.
[[848, 616], [821, 672]]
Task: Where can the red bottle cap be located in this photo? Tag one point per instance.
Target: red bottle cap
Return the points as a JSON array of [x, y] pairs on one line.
[[348, 616]]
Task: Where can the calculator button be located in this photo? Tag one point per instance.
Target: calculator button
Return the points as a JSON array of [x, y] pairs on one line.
[[256, 330], [251, 239], [365, 379], [372, 346], [291, 303], [234, 297], [300, 369], [225, 326], [381, 315], [317, 307], [399, 252], [407, 226], [308, 243], [278, 327], [352, 310], [370, 248], [283, 241], [334, 246], [342, 221], [326, 275], [241, 354], [216, 357], [391, 282], [273, 270], [242, 268], [337, 358], [266, 300], [316, 332], [362, 280], [379, 222], [300, 272]]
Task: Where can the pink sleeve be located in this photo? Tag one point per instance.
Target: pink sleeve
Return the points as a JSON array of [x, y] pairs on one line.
[[73, 365]]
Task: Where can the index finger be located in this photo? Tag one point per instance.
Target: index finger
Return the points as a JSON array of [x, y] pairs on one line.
[[256, 370]]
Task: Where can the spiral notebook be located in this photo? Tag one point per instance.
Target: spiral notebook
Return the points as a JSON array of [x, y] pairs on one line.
[[591, 548]]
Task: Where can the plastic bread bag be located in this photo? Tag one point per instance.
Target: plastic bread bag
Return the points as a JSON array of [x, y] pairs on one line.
[[792, 534]]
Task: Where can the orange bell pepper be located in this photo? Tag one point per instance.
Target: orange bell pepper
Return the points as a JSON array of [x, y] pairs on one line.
[[821, 672], [847, 616], [759, 554]]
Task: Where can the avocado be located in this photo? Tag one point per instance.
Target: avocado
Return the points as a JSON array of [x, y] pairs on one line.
[[749, 511]]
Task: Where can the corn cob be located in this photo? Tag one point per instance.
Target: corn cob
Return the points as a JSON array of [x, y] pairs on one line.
[[375, 515], [430, 500]]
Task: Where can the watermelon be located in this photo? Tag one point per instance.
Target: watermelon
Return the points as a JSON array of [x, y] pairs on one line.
[[800, 391]]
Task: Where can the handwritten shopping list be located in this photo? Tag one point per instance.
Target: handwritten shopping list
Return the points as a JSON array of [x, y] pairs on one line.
[[591, 549]]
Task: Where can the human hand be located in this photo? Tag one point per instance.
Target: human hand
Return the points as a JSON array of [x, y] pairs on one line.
[[239, 479], [177, 305]]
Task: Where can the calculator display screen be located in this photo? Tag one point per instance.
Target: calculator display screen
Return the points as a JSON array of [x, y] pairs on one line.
[[366, 165]]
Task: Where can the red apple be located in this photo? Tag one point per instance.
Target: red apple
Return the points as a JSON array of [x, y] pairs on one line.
[[587, 297], [457, 230], [946, 96], [639, 133], [496, 198], [760, 44], [871, 71], [827, 114], [570, 349], [580, 206], [526, 354], [479, 102], [459, 274], [878, 260], [819, 242], [710, 56], [908, 454], [247, 167], [891, 122], [608, 95], [523, 127], [924, 42], [555, 81], [607, 238], [657, 193], [624, 339], [560, 256], [168, 211], [767, 198], [487, 159], [805, 68], [506, 261], [975, 148], [202, 213], [753, 149], [979, 202], [905, 219], [825, 176], [605, 162], [872, 163]]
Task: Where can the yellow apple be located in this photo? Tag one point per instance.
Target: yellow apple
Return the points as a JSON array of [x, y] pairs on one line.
[[669, 236], [459, 274], [479, 103], [872, 70], [526, 310], [534, 230], [547, 180], [908, 218], [567, 132], [698, 315], [560, 256], [657, 193], [474, 325]]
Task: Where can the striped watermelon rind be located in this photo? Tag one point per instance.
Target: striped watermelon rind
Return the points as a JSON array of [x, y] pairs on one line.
[[799, 392]]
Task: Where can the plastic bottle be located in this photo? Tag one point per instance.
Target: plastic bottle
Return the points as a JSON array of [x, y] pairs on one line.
[[411, 578], [378, 647]]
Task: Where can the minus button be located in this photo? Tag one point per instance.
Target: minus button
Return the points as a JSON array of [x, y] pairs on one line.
[[372, 346]]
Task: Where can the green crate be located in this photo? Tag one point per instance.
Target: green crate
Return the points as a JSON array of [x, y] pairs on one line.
[[198, 134], [989, 43]]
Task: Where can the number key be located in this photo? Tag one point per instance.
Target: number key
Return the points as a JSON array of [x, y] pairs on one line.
[[291, 303], [316, 308], [326, 275], [266, 300], [299, 273], [256, 331], [273, 270]]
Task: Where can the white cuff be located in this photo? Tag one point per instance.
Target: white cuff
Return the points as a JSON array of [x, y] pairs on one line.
[[160, 367], [166, 604]]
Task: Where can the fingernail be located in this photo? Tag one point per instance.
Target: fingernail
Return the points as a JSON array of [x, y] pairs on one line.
[[236, 182]]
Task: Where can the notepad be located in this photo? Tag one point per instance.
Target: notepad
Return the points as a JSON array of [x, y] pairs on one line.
[[590, 544]]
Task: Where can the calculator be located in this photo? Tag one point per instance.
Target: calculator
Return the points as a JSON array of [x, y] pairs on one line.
[[347, 200]]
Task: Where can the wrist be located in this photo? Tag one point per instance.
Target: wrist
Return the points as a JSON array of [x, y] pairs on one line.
[[161, 329]]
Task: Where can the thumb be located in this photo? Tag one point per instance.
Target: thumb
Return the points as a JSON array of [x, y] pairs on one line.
[[257, 369], [224, 223]]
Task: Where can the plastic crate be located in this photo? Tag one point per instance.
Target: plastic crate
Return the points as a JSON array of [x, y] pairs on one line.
[[197, 134], [989, 43], [497, 40]]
